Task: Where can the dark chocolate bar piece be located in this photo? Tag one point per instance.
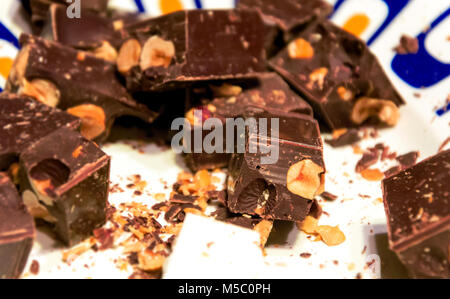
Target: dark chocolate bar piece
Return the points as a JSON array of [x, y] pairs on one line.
[[17, 230], [339, 76], [289, 16], [229, 100], [69, 176], [417, 204], [40, 8], [99, 34], [24, 121], [283, 189], [196, 45], [75, 81]]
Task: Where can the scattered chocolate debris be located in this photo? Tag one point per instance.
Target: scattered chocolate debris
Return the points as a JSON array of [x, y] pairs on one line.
[[305, 255], [328, 196], [348, 137], [408, 160], [34, 268], [408, 45]]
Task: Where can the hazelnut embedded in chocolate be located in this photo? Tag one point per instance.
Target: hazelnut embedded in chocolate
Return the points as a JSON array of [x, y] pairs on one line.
[[129, 56], [157, 52], [365, 108], [300, 49], [42, 90], [106, 52], [93, 119], [306, 179]]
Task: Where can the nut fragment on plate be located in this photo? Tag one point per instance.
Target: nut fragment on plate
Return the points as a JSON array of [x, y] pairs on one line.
[[306, 179], [93, 119], [150, 261], [264, 228], [42, 90], [157, 52], [386, 111], [300, 49], [129, 55], [330, 235], [106, 52]]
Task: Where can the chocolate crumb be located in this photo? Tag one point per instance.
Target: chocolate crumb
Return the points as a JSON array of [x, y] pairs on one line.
[[408, 160], [408, 45], [305, 255], [34, 268], [328, 196]]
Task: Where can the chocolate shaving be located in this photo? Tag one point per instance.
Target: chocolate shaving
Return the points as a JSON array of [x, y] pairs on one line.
[[408, 160], [328, 196]]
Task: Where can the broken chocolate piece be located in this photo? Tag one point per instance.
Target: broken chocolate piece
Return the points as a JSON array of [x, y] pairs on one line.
[[348, 137], [69, 176], [408, 160], [40, 9], [368, 159], [339, 76], [283, 190], [195, 45], [24, 121], [228, 101], [75, 81], [408, 45], [417, 204], [17, 230], [289, 16], [91, 31]]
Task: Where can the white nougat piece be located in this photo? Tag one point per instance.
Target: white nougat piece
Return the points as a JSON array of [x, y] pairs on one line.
[[211, 249]]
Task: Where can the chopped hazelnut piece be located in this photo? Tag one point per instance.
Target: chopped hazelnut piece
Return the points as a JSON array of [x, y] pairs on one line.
[[264, 228], [42, 90], [106, 52], [92, 119], [373, 175], [157, 52], [330, 235], [309, 225], [317, 77], [306, 179], [129, 56], [386, 111], [344, 93], [300, 49]]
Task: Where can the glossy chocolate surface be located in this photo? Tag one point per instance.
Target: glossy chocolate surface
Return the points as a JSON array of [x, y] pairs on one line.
[[417, 204], [17, 230]]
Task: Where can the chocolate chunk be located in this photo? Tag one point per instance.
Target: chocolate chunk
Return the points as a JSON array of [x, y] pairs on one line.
[[408, 45], [229, 101], [339, 76], [75, 81], [408, 160], [283, 190], [289, 16], [40, 10], [69, 176], [328, 196], [24, 121], [90, 32], [17, 230], [417, 204], [368, 159], [349, 137], [196, 45]]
